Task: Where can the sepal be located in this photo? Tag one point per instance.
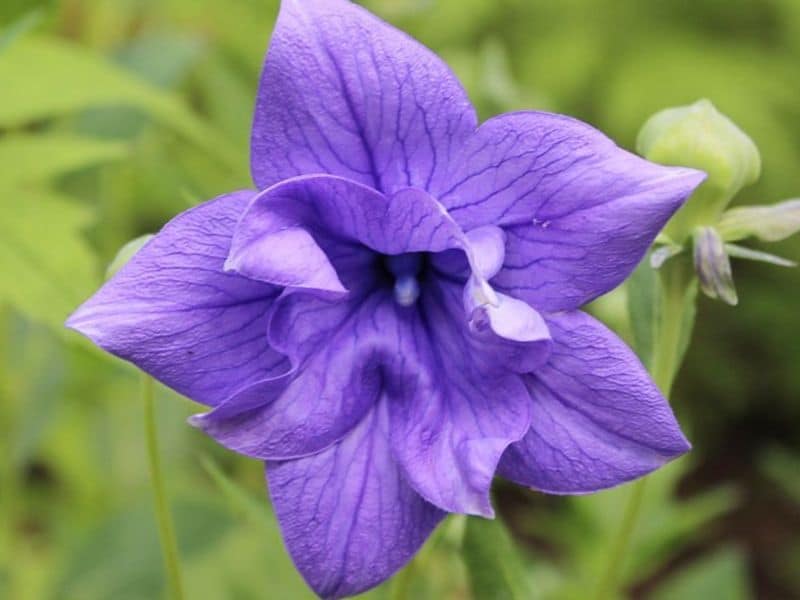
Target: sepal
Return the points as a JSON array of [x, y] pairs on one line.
[[737, 251], [768, 223]]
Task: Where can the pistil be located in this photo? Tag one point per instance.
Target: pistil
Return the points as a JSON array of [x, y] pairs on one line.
[[406, 290], [405, 268]]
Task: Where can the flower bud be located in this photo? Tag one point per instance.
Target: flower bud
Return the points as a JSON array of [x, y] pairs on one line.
[[701, 137]]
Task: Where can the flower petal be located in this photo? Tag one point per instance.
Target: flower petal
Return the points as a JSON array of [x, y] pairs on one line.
[[452, 415], [282, 254], [489, 249], [508, 328], [348, 517], [578, 212], [307, 231], [342, 92], [338, 382], [597, 418], [175, 313]]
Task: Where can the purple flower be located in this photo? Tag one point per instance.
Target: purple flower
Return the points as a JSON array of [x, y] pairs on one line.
[[394, 318]]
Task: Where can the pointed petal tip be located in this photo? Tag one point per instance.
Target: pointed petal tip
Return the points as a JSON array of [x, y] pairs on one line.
[[322, 280], [81, 322], [71, 322], [686, 177], [683, 446]]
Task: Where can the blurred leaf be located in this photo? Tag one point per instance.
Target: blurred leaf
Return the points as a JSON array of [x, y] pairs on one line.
[[32, 159], [20, 27], [161, 58], [36, 372], [283, 579], [584, 531], [52, 77], [755, 87], [494, 567], [121, 558], [782, 467], [721, 575], [46, 267], [239, 499], [643, 309]]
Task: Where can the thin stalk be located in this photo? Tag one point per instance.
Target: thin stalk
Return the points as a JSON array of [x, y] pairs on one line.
[[9, 500], [166, 528], [676, 300], [676, 280]]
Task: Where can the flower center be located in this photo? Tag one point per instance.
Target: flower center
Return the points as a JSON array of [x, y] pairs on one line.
[[405, 269]]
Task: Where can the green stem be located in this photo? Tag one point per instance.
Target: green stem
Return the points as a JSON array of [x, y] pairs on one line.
[[166, 529], [8, 473], [677, 299]]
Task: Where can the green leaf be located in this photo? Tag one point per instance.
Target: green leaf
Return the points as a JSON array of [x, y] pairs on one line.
[[53, 77], [721, 575], [30, 159], [283, 580], [46, 267], [8, 35], [687, 324], [643, 309], [782, 467], [239, 499], [121, 558], [495, 569]]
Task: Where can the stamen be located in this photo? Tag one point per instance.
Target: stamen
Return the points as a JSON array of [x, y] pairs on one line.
[[406, 290]]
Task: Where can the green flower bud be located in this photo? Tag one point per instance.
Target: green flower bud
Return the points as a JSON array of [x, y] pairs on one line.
[[701, 137]]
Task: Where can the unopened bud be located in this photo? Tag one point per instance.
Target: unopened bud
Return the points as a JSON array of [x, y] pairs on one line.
[[701, 137]]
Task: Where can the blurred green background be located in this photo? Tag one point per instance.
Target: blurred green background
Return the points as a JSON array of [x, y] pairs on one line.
[[117, 114]]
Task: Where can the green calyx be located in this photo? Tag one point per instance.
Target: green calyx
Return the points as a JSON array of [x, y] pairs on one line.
[[701, 137]]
